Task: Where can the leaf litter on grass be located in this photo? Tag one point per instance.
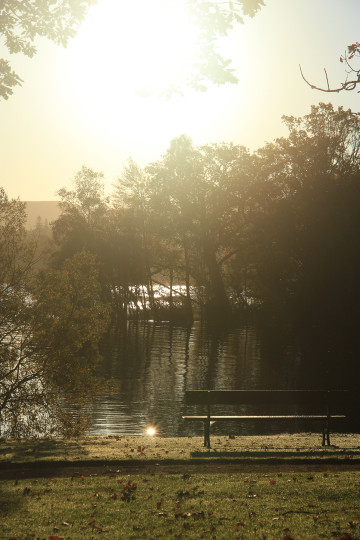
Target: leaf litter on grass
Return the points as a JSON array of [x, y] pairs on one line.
[[115, 447], [201, 506]]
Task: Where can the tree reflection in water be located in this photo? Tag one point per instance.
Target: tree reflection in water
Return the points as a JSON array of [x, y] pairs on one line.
[[154, 363]]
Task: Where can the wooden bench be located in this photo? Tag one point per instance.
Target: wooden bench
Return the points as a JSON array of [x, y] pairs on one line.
[[318, 406]]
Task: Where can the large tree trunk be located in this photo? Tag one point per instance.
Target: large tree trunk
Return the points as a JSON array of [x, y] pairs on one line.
[[188, 303], [218, 305], [171, 292]]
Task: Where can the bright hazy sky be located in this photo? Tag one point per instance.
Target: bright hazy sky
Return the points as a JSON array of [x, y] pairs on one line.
[[78, 106]]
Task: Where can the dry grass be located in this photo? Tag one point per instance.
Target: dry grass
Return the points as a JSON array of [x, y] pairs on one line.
[[222, 506], [176, 448]]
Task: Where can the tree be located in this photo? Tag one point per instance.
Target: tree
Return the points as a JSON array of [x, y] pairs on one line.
[[131, 199], [174, 196], [88, 223], [198, 195], [325, 141], [22, 21], [82, 210], [303, 243], [352, 73], [122, 263], [8, 79], [50, 326], [214, 20]]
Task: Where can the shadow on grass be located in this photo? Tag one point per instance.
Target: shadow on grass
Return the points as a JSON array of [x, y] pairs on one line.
[[11, 502], [265, 454], [40, 449]]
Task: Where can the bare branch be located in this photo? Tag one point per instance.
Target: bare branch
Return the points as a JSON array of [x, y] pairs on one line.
[[347, 85], [327, 80]]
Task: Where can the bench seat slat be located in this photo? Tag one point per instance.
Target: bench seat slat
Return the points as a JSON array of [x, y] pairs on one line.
[[266, 417], [266, 397]]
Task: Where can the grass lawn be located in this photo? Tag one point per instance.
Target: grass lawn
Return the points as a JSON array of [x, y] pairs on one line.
[[116, 447], [226, 505], [287, 505]]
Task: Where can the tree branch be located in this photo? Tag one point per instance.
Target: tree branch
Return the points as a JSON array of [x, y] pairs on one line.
[[347, 85]]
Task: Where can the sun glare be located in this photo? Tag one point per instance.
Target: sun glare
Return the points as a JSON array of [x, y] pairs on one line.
[[151, 431], [125, 56]]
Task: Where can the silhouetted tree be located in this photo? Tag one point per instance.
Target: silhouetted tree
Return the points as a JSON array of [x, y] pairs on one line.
[[196, 194], [131, 197], [303, 242], [82, 211], [123, 264], [50, 325]]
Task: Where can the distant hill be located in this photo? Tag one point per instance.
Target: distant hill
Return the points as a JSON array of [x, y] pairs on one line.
[[48, 211]]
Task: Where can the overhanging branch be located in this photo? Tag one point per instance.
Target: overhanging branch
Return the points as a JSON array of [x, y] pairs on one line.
[[347, 85]]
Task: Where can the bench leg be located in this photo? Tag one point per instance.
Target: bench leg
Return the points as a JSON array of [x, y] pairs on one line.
[[326, 433], [207, 433]]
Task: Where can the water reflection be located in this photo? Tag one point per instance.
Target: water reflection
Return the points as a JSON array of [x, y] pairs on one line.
[[154, 363]]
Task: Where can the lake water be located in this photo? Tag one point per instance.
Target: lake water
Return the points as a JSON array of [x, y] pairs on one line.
[[154, 363]]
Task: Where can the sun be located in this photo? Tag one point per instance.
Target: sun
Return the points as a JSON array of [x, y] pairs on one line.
[[121, 65], [126, 56]]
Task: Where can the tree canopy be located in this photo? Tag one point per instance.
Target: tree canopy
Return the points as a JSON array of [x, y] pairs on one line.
[[215, 20], [22, 21]]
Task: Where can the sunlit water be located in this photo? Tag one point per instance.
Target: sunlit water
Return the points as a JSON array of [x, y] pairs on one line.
[[154, 363]]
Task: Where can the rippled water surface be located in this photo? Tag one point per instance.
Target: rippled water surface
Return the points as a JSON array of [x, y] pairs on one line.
[[154, 363]]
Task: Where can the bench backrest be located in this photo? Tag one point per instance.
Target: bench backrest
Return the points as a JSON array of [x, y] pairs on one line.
[[335, 400]]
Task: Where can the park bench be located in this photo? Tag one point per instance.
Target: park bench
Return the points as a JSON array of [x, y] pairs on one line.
[[315, 406]]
